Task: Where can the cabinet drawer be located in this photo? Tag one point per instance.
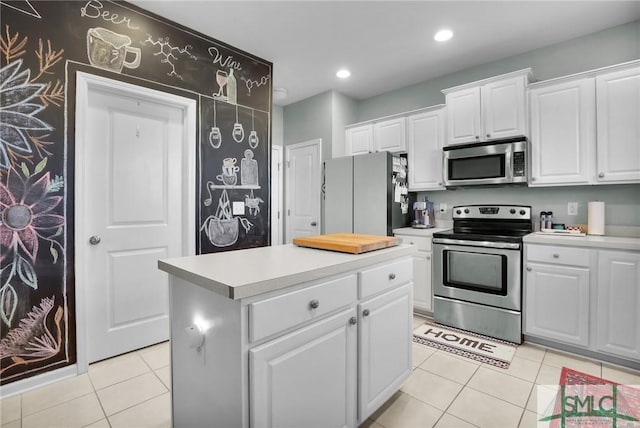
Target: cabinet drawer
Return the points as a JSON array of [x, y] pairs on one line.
[[279, 313], [385, 277], [558, 255], [423, 243]]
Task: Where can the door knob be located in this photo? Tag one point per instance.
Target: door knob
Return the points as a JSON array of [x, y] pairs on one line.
[[313, 223], [94, 240]]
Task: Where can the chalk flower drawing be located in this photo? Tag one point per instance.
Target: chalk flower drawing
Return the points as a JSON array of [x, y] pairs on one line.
[[32, 340], [25, 219], [18, 108]]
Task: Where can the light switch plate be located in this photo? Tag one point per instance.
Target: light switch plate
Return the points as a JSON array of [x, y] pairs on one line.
[[572, 208], [238, 208]]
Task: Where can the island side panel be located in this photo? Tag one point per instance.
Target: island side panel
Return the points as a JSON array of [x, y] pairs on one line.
[[206, 383]]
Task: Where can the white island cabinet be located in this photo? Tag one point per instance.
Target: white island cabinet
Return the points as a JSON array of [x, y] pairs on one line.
[[288, 336]]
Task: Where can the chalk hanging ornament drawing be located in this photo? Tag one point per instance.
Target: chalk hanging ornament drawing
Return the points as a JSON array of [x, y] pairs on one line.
[[238, 130], [215, 137], [253, 135]]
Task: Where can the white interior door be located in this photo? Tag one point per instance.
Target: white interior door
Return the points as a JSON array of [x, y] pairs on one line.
[[134, 172], [303, 189], [276, 195]]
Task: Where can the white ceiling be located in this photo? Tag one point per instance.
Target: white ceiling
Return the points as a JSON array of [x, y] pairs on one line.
[[386, 44]]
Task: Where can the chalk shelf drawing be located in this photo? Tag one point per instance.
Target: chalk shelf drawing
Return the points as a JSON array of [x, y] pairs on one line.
[[223, 228], [166, 51], [250, 83], [215, 136], [253, 203], [23, 6], [109, 50]]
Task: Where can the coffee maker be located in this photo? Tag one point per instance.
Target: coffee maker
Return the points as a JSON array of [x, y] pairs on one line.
[[424, 216]]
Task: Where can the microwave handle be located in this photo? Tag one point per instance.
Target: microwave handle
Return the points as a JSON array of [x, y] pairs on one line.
[[509, 172]]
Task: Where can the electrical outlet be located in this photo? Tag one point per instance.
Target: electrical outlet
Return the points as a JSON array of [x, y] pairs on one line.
[[572, 208]]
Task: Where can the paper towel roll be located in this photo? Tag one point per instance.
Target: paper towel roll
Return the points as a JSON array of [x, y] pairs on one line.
[[595, 218]]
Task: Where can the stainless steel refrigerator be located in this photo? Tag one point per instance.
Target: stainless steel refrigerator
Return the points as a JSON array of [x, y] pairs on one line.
[[366, 194]]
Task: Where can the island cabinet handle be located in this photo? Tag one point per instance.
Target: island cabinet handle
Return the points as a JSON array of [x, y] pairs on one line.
[[314, 304], [556, 256], [392, 275], [365, 313], [528, 269], [353, 321]]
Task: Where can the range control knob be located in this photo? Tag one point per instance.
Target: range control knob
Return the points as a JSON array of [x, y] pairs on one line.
[[466, 210], [522, 212], [458, 212], [512, 211]]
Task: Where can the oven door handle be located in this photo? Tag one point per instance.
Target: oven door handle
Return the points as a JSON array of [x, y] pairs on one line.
[[487, 244]]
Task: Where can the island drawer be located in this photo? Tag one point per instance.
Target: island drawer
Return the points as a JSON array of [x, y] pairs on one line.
[[558, 255], [422, 243], [383, 277], [282, 312]]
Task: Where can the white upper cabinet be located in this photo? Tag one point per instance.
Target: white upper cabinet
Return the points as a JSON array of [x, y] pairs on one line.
[[585, 128], [618, 125], [424, 149], [390, 135], [562, 132], [488, 109], [359, 140]]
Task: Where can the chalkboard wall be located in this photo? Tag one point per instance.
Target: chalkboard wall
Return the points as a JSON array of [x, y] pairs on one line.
[[44, 44]]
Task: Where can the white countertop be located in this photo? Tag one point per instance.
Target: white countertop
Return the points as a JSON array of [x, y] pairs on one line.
[[246, 273], [418, 232], [591, 241]]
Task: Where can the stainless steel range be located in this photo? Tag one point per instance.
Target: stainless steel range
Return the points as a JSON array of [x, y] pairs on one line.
[[478, 270]]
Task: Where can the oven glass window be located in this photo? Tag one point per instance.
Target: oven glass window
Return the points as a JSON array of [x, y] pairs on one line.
[[490, 166], [485, 273]]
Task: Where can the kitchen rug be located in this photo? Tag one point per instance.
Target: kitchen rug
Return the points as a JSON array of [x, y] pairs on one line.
[[475, 346]]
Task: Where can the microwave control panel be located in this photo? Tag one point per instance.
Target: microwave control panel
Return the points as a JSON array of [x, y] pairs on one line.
[[518, 164]]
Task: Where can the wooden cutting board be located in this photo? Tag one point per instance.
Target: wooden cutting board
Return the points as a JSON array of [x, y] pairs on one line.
[[354, 243]]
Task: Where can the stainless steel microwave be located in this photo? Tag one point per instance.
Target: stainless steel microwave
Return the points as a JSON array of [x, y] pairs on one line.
[[492, 162]]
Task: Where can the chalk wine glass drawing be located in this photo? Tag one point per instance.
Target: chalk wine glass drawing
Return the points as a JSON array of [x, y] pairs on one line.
[[109, 50], [221, 79], [215, 137], [222, 228]]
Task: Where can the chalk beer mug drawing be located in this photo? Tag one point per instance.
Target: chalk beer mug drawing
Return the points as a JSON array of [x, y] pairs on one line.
[[109, 50]]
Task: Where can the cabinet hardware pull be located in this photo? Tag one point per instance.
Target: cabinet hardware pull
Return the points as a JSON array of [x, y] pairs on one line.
[[428, 257], [392, 276], [314, 304], [353, 321], [556, 256], [488, 135], [528, 269], [94, 240], [601, 175], [365, 313]]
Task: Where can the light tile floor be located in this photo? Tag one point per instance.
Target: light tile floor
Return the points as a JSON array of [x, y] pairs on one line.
[[444, 391]]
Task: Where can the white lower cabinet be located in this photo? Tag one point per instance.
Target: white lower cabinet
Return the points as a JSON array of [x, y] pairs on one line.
[[422, 270], [385, 348], [618, 302], [307, 378], [584, 297]]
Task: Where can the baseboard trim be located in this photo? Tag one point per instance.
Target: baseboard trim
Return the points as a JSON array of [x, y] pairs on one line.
[[24, 385]]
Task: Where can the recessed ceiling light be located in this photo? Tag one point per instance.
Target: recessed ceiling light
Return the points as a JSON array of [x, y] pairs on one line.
[[443, 35], [343, 74]]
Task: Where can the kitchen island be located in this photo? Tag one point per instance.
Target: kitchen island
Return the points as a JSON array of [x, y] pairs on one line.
[[288, 336]]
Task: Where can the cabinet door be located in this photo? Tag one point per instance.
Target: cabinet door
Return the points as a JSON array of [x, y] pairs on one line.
[[463, 115], [563, 133], [359, 140], [422, 286], [618, 318], [385, 348], [557, 303], [390, 135], [618, 124], [306, 378], [503, 108], [424, 150]]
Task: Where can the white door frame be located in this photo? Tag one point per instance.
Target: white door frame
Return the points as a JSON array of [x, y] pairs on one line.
[[287, 201], [276, 190], [85, 82]]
